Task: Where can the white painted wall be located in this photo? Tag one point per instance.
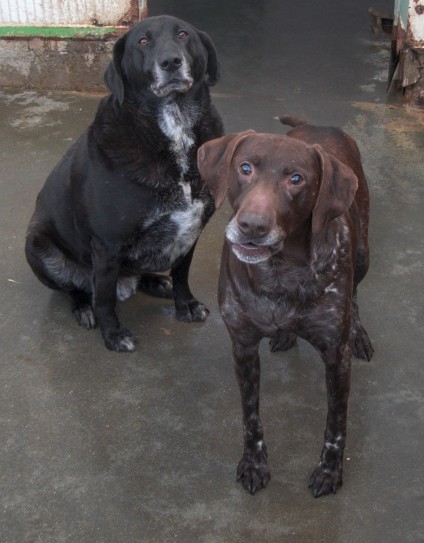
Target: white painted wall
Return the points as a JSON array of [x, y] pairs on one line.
[[64, 12]]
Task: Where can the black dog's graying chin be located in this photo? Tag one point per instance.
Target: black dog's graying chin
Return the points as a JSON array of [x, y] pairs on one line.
[[295, 250], [127, 199]]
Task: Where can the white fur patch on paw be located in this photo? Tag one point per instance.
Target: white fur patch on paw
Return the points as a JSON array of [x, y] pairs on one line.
[[127, 345], [126, 288]]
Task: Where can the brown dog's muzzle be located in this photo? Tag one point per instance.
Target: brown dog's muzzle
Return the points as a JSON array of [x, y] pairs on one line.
[[253, 231], [254, 226]]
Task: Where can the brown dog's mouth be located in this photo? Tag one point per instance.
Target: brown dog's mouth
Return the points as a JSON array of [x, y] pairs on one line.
[[251, 253]]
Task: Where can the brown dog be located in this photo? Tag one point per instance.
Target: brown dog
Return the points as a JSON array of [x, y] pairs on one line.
[[295, 251]]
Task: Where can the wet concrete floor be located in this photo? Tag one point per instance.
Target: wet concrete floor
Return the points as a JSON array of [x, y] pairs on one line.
[[103, 447]]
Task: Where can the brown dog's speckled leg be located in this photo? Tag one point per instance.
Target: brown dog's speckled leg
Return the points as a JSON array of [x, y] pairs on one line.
[[327, 476], [253, 469]]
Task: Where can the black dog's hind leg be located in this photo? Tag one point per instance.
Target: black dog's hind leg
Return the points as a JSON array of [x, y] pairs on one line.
[[131, 279], [38, 248], [155, 284], [57, 272], [187, 308], [82, 308]]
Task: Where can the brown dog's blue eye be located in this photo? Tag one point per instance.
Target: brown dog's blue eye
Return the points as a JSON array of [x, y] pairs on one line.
[[296, 179], [143, 41], [182, 35], [245, 168]]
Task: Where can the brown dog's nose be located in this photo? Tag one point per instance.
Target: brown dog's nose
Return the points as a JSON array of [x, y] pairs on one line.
[[253, 225]]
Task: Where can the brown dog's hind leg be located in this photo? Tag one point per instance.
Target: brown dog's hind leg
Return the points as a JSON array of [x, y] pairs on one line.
[[283, 342], [359, 340]]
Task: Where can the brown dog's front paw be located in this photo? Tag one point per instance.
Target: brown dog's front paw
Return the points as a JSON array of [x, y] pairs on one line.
[[325, 480], [192, 311], [252, 475]]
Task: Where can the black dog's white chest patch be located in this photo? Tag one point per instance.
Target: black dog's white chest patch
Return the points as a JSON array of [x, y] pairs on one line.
[[168, 234], [177, 125], [188, 221]]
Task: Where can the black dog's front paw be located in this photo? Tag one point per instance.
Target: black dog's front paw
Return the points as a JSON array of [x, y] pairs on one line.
[[325, 480], [253, 475], [121, 341], [191, 311]]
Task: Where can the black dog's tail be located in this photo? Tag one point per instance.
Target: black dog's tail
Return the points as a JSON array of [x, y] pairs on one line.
[[291, 120]]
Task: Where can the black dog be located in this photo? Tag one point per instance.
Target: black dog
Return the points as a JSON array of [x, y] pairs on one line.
[[127, 198], [295, 251]]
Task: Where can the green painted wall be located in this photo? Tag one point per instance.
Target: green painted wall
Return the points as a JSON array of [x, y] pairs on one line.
[[63, 32]]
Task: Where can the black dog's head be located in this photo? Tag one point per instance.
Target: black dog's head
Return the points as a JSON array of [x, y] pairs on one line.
[[162, 55]]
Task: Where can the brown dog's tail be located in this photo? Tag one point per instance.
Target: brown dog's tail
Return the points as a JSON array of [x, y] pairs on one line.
[[291, 120]]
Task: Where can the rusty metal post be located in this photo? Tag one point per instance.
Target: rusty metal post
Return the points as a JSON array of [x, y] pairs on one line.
[[409, 48]]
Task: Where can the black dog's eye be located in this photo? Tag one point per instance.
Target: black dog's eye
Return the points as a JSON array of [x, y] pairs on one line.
[[296, 179], [143, 41], [246, 168], [182, 35]]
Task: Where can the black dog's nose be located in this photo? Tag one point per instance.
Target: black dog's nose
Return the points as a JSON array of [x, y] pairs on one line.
[[170, 63], [253, 225]]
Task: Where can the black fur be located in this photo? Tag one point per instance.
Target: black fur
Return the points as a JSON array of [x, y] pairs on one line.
[[127, 198]]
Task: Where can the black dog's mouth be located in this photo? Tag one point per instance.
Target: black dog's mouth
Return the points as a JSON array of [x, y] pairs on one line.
[[164, 88]]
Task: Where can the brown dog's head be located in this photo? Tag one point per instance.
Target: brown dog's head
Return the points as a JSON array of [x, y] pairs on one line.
[[274, 184]]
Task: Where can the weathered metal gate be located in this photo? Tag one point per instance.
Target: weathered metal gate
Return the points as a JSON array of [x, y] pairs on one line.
[[408, 50]]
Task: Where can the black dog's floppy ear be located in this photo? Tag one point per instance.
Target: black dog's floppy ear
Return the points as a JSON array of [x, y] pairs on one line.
[[212, 68], [213, 160], [113, 77], [336, 193]]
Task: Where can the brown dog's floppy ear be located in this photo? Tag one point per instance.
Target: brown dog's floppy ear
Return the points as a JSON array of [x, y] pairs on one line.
[[336, 193], [212, 68], [213, 160], [113, 77]]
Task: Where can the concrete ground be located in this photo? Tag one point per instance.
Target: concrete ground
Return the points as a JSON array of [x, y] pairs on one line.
[[105, 447]]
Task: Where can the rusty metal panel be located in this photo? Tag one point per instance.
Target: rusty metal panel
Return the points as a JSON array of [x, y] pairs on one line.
[[70, 12]]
